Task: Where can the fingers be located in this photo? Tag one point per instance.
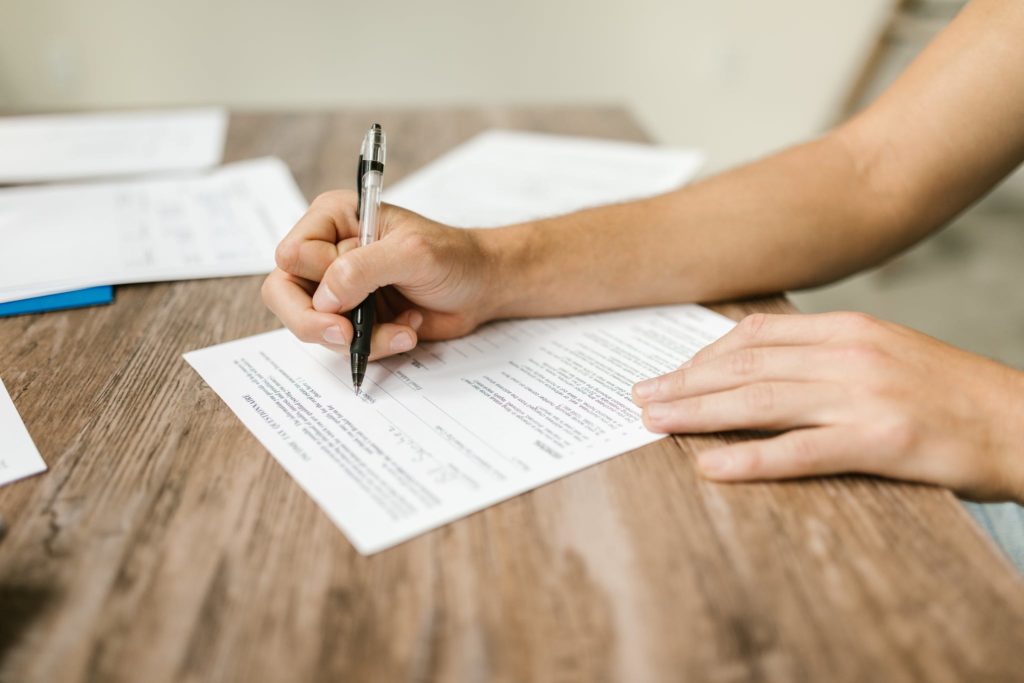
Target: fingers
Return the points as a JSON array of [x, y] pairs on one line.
[[800, 453], [312, 245], [763, 405], [734, 369], [356, 273], [764, 329], [395, 337], [290, 300]]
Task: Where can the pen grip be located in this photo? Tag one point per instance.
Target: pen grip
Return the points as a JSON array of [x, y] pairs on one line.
[[362, 317]]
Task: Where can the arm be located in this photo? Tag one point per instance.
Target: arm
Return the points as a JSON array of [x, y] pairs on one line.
[[860, 395], [942, 136]]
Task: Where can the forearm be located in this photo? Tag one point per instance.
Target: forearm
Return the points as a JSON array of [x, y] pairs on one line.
[[933, 143], [800, 217]]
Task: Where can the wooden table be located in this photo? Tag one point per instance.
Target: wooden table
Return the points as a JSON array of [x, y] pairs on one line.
[[165, 544]]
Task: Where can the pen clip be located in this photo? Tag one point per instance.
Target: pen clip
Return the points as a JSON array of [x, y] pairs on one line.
[[359, 184]]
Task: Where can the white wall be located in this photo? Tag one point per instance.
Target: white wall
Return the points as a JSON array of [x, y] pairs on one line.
[[734, 76]]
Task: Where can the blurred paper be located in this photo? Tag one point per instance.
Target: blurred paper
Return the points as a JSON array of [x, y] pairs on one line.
[[501, 177], [223, 223], [76, 146], [19, 457], [452, 427]]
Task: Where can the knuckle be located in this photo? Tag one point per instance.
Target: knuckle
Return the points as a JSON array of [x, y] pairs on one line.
[[856, 322], [333, 199], [753, 325], [344, 272], [803, 454], [675, 381], [760, 397], [286, 255], [696, 406], [415, 243], [745, 362], [266, 290], [753, 458], [306, 333], [896, 434], [861, 357]]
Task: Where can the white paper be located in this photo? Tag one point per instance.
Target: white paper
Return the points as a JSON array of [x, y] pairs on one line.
[[19, 457], [502, 177], [452, 427], [223, 223], [76, 146]]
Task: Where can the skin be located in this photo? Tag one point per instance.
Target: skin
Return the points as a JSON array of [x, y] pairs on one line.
[[855, 394]]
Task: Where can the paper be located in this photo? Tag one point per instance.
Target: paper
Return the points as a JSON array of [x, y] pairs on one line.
[[223, 223], [75, 146], [19, 457], [501, 177], [452, 427]]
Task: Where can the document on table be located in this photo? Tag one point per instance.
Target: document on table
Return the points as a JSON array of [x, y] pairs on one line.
[[501, 177], [76, 146], [19, 457], [222, 223], [451, 427]]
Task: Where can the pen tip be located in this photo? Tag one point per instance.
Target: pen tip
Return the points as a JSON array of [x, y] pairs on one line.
[[357, 390]]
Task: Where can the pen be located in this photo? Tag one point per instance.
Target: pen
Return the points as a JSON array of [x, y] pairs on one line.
[[369, 184]]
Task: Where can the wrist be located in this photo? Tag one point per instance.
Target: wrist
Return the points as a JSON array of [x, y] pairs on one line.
[[1010, 436], [511, 258]]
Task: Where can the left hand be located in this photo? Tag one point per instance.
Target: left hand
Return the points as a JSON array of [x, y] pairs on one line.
[[858, 394]]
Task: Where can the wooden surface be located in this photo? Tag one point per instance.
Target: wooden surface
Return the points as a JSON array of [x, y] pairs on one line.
[[165, 544]]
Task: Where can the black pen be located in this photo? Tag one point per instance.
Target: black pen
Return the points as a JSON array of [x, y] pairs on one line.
[[369, 184]]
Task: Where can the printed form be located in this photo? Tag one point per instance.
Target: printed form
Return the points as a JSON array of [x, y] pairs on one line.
[[454, 427]]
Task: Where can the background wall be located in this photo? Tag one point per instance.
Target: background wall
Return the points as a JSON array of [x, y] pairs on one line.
[[963, 285], [736, 77]]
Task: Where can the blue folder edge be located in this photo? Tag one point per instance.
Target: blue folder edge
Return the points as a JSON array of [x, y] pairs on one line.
[[90, 296]]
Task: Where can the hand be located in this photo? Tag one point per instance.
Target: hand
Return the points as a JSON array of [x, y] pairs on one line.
[[859, 394], [433, 278]]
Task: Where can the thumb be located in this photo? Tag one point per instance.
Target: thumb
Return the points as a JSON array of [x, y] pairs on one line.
[[356, 273]]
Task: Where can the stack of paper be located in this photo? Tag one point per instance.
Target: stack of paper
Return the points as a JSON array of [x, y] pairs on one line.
[[186, 222]]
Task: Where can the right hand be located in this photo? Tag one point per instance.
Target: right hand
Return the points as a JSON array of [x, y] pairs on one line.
[[433, 279]]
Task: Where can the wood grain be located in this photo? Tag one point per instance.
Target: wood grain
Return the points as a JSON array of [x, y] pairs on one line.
[[165, 544]]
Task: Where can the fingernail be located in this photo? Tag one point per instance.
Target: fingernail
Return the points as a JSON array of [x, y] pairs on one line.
[[415, 320], [324, 299], [402, 342], [657, 411], [646, 388], [715, 463]]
